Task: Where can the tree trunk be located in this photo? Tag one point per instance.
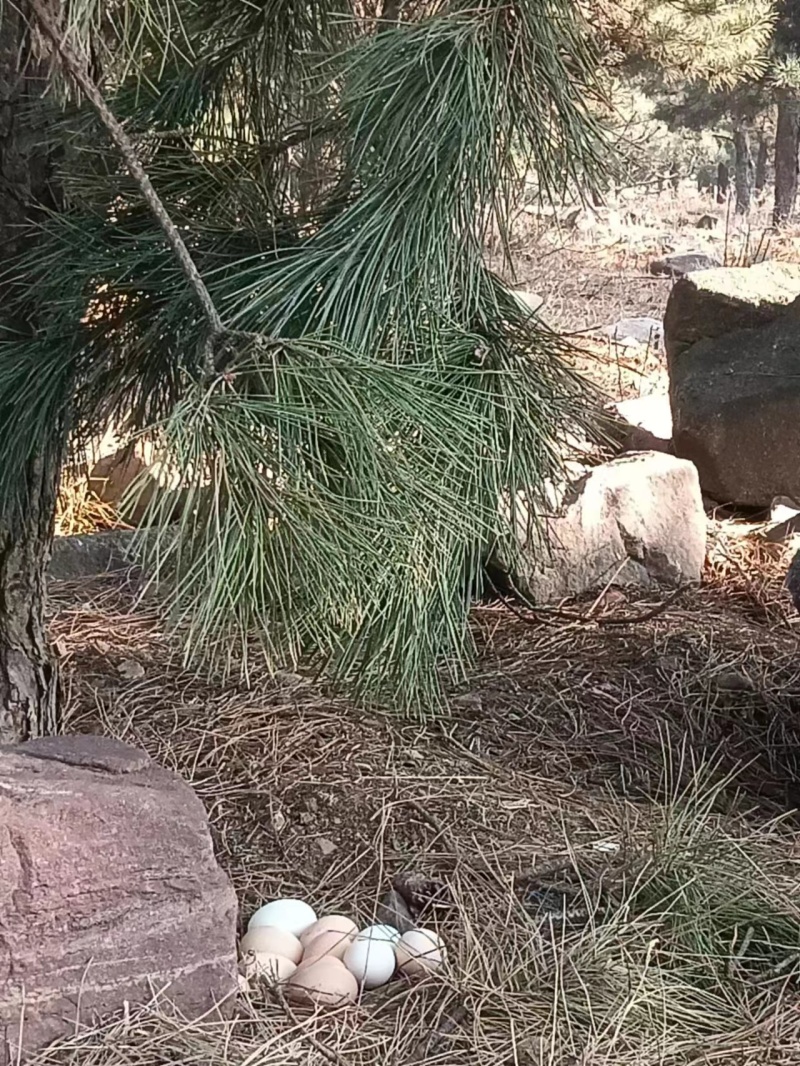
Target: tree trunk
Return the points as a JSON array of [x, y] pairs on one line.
[[723, 182], [743, 170], [761, 162], [787, 140], [28, 678]]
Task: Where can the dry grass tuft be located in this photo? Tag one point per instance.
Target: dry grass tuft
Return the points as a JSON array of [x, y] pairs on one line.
[[79, 510]]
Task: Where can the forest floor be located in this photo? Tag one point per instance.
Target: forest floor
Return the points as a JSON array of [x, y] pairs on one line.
[[637, 761]]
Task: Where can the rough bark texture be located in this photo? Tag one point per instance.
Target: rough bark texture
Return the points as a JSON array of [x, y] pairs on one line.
[[761, 162], [27, 676], [723, 183], [787, 140], [743, 170]]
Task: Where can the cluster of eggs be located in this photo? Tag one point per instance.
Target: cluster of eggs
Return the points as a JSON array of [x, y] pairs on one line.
[[326, 961]]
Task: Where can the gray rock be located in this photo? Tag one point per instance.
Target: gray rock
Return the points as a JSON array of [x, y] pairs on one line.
[[785, 516], [635, 331], [736, 412], [649, 423], [715, 302], [87, 556], [109, 891], [634, 521], [676, 266], [531, 301]]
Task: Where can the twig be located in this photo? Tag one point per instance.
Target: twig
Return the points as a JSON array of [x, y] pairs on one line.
[[329, 1053], [307, 132], [534, 617], [77, 71]]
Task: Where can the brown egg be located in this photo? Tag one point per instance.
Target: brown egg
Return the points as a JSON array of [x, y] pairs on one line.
[[332, 923], [269, 940], [324, 982], [272, 969], [331, 944]]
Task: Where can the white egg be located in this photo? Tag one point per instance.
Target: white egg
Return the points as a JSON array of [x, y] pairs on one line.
[[371, 961], [419, 952], [386, 933], [292, 915]]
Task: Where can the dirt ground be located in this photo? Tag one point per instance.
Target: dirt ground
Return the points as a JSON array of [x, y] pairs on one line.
[[576, 731]]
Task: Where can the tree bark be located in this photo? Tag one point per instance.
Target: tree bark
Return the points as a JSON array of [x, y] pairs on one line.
[[723, 182], [743, 169], [762, 159], [28, 677], [787, 141]]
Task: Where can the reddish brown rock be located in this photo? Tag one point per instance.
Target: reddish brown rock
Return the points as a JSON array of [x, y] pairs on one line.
[[109, 891]]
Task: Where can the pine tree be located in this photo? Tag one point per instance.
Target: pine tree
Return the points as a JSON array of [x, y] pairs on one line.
[[344, 389], [721, 61]]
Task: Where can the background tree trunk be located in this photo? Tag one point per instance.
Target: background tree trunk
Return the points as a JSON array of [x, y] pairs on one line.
[[28, 681], [787, 141], [743, 169], [762, 159]]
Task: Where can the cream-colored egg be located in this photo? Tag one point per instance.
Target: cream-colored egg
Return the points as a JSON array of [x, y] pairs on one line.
[[324, 982], [293, 915], [419, 953], [380, 932], [372, 962], [331, 923], [269, 968], [331, 943], [270, 940]]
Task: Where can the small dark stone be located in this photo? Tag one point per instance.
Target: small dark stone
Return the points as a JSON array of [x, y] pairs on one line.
[[676, 266], [793, 581], [393, 910], [707, 222]]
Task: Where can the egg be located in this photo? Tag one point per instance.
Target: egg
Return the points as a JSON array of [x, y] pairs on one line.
[[419, 952], [292, 915], [332, 944], [371, 961], [269, 968], [331, 923], [324, 982], [270, 940], [387, 933]]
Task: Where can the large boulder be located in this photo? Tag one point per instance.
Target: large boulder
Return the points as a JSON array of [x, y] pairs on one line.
[[736, 412], [711, 303], [638, 520], [130, 478], [109, 891]]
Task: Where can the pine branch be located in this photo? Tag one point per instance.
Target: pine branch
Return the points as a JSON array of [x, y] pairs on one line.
[[79, 74]]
